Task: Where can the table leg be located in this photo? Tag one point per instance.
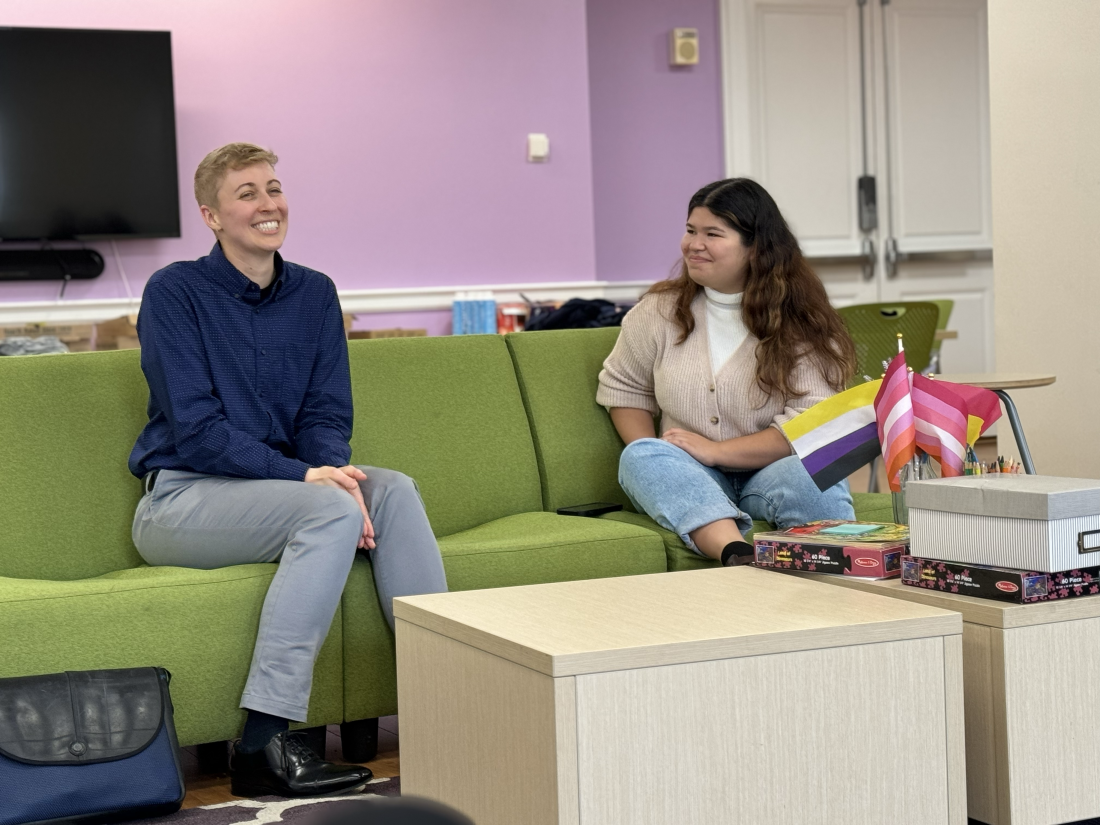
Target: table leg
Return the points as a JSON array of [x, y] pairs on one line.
[[1017, 431]]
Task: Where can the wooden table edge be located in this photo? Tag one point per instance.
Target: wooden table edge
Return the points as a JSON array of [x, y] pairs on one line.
[[986, 612], [946, 623]]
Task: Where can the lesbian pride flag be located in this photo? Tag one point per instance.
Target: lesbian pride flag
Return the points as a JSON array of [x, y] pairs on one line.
[[983, 407], [894, 415], [941, 419]]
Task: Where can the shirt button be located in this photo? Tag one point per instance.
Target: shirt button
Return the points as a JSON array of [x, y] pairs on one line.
[[712, 388], [714, 419], [263, 352]]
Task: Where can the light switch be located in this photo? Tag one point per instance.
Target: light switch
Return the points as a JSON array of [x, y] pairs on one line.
[[538, 148]]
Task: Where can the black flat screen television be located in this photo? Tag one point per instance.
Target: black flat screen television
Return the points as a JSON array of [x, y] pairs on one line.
[[87, 135]]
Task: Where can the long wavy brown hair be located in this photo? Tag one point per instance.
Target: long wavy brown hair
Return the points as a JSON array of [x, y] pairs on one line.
[[784, 303]]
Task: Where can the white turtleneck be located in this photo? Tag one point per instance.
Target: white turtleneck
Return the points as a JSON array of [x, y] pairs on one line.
[[725, 326]]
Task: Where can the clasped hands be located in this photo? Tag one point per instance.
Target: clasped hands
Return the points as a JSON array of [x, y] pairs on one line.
[[347, 479]]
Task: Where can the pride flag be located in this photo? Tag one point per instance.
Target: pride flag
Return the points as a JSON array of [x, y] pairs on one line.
[[837, 436], [894, 415], [983, 407], [941, 418]]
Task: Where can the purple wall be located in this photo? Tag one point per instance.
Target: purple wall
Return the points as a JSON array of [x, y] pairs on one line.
[[401, 127], [656, 130]]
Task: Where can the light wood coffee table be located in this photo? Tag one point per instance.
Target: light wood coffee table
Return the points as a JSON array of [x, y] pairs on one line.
[[709, 696], [1032, 683]]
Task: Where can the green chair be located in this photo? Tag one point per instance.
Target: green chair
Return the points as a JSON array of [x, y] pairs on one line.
[[874, 329], [945, 305]]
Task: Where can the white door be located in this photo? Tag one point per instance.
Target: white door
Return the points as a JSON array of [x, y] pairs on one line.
[[821, 92]]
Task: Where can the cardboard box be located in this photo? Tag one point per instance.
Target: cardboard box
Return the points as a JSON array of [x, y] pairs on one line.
[[999, 583], [865, 562], [397, 332], [873, 555], [77, 337], [1015, 522], [118, 333], [63, 332]]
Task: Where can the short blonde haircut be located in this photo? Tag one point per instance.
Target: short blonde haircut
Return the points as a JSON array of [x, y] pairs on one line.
[[212, 171]]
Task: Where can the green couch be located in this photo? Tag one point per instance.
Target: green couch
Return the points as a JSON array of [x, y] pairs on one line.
[[497, 431]]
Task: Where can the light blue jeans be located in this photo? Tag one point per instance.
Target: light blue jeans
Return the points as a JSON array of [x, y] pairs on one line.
[[682, 495]]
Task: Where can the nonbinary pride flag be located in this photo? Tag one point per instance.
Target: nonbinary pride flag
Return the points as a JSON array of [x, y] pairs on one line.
[[837, 436], [894, 414]]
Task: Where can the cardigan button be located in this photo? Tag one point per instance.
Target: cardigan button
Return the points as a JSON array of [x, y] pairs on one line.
[[714, 419], [712, 388]]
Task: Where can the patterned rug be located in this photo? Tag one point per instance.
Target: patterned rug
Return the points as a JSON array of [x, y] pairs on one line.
[[272, 809]]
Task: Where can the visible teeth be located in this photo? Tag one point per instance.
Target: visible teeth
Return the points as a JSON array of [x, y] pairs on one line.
[[267, 226]]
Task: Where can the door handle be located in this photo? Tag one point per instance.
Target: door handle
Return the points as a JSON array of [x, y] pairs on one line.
[[893, 256], [865, 259]]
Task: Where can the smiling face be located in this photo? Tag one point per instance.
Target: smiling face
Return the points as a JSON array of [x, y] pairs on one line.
[[714, 253], [250, 219]]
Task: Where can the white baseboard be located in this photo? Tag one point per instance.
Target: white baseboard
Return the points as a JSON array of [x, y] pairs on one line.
[[355, 301]]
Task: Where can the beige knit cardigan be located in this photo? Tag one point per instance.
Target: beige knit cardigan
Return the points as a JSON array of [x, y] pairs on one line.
[[647, 370]]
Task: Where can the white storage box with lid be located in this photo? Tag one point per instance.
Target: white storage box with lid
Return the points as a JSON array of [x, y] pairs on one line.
[[1041, 523]]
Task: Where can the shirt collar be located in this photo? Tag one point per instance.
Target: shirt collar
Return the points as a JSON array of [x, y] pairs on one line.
[[725, 299], [236, 281]]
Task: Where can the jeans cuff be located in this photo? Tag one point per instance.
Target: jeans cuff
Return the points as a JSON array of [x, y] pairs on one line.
[[696, 519]]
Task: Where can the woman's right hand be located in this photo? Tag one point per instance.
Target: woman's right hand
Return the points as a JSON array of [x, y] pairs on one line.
[[346, 479]]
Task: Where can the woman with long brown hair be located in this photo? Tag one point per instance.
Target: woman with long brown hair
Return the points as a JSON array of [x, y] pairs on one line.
[[741, 341]]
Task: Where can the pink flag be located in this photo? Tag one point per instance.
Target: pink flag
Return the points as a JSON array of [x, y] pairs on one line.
[[940, 415], [983, 408], [894, 415]]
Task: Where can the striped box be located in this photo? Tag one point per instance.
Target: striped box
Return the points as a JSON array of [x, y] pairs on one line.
[[1023, 522]]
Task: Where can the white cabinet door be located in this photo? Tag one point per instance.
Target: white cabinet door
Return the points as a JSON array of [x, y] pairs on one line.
[[804, 120], [936, 84], [934, 93]]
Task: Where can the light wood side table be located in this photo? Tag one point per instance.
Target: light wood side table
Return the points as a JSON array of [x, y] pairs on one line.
[[708, 696], [1031, 682]]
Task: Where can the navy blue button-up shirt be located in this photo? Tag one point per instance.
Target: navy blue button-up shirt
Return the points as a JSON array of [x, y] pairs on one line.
[[240, 384]]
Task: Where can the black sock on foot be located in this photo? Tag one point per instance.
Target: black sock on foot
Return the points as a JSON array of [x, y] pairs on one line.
[[736, 552], [259, 729]]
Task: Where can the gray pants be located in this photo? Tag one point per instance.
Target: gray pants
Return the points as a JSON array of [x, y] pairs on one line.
[[195, 520]]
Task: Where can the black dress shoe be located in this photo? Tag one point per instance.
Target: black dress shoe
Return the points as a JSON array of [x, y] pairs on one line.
[[287, 766]]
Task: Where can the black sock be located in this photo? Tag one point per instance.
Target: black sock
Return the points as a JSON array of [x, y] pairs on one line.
[[259, 729], [736, 552]]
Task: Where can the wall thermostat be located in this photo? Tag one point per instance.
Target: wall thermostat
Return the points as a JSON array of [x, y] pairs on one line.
[[684, 47]]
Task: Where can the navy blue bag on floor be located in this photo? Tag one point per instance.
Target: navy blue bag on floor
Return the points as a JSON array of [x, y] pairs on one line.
[[89, 747]]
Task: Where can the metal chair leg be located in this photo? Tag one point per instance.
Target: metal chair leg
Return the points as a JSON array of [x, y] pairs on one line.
[[872, 485], [1017, 431]]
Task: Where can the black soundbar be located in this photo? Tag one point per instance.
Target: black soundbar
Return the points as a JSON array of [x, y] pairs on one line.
[[49, 264]]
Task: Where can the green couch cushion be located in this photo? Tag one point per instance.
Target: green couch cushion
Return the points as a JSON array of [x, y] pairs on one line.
[[448, 412], [67, 425], [575, 442], [199, 624], [530, 548], [873, 507], [533, 548]]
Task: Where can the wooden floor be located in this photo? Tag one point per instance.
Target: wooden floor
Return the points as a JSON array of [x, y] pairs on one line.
[[207, 789]]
